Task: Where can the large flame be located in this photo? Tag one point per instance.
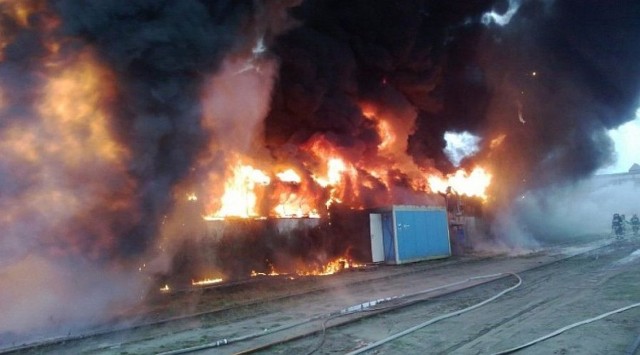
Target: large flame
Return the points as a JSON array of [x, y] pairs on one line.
[[294, 196], [474, 184], [322, 173], [240, 197], [330, 178]]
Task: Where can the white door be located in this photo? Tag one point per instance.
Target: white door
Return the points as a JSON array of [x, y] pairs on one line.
[[375, 228]]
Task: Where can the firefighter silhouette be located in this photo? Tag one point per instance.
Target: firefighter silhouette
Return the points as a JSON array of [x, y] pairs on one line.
[[617, 225], [635, 224]]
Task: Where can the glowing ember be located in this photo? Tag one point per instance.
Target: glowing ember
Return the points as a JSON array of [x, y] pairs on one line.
[[496, 142], [206, 282], [165, 288], [474, 184], [192, 197]]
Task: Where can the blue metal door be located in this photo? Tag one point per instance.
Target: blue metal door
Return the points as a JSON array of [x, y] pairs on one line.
[[422, 234], [387, 237]]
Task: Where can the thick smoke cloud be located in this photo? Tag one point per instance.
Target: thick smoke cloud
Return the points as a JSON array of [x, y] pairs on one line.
[[460, 74], [561, 73], [89, 169], [159, 51], [414, 55], [100, 119]]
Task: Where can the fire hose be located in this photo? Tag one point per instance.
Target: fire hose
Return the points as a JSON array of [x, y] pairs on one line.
[[570, 326], [362, 307], [444, 316], [632, 350]]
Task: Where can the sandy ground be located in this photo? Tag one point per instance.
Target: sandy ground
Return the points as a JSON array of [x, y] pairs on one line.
[[558, 291]]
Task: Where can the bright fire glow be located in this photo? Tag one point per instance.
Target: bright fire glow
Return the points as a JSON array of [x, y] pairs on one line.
[[330, 268], [474, 184], [293, 196], [295, 206], [335, 168], [240, 199], [331, 174], [192, 197], [289, 176], [272, 272], [386, 133], [165, 288], [205, 282], [383, 127]]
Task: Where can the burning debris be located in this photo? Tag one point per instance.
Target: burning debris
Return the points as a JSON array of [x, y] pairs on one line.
[[206, 282], [202, 138]]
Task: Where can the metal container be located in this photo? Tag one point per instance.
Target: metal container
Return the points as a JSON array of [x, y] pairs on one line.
[[403, 234]]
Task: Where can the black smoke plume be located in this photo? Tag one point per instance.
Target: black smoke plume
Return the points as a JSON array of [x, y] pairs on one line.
[[552, 79], [159, 51], [541, 90]]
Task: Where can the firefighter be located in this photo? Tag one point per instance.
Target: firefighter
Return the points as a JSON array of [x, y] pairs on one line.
[[616, 225], [635, 224]]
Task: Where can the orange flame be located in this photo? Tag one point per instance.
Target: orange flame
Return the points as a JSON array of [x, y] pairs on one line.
[[294, 197], [473, 185], [207, 281], [240, 198], [384, 129], [330, 268], [332, 174], [294, 206], [272, 272]]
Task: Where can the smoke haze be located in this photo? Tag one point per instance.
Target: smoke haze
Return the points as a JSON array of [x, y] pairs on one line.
[[113, 113]]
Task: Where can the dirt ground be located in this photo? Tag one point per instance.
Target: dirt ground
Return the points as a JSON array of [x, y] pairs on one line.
[[557, 290], [550, 297]]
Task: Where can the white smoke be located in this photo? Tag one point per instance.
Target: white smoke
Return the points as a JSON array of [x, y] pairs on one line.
[[627, 146], [570, 212], [501, 19], [460, 145]]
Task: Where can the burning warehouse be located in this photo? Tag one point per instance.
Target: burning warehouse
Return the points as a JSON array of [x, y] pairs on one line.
[[148, 143]]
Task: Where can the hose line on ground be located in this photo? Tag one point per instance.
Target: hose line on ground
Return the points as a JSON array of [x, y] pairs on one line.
[[361, 307], [563, 329], [444, 316]]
